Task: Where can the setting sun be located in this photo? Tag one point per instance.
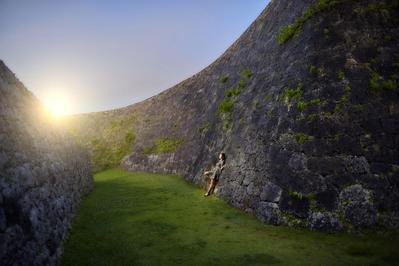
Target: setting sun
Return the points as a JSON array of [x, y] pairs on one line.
[[57, 105]]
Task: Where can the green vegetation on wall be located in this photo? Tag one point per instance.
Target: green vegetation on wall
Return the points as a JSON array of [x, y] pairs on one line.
[[223, 78], [302, 105], [204, 128], [106, 153], [291, 30], [293, 93], [163, 145], [246, 73], [378, 83], [301, 137], [226, 106]]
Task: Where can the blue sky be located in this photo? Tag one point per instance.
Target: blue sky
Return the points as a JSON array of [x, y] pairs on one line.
[[102, 55]]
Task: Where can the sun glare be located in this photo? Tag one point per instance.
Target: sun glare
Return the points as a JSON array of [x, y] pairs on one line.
[[57, 105]]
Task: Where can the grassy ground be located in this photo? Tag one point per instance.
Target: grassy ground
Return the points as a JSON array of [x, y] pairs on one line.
[[153, 219]]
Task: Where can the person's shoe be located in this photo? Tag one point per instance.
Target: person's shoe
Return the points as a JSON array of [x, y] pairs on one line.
[[206, 194]]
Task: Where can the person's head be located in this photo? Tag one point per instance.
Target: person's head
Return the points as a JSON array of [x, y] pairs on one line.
[[222, 156]]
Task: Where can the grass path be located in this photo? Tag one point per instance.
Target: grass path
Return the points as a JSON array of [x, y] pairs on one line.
[[154, 219]]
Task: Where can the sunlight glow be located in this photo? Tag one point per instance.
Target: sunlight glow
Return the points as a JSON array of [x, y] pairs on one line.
[[57, 105]]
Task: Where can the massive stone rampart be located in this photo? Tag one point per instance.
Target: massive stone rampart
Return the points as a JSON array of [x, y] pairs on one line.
[[43, 176], [305, 105]]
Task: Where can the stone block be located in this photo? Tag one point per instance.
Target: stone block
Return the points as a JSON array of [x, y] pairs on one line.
[[271, 192], [269, 212], [357, 206]]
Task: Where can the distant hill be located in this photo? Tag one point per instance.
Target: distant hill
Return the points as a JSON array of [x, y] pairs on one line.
[[305, 105]]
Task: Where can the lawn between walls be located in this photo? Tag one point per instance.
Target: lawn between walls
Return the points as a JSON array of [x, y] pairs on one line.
[[157, 219]]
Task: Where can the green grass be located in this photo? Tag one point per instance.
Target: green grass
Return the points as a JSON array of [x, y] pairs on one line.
[[154, 219]]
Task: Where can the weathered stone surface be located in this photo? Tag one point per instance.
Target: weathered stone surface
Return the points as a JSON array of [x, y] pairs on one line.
[[388, 220], [324, 221], [3, 220], [269, 212], [357, 206], [43, 176], [271, 193]]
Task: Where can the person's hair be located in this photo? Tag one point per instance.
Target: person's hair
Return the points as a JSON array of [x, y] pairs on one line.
[[223, 156]]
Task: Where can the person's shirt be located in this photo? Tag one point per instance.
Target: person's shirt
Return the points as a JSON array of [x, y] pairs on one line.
[[219, 167]]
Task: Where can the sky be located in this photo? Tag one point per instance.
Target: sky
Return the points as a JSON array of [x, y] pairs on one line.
[[85, 55]]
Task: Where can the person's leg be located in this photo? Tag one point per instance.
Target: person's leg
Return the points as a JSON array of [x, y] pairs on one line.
[[206, 177], [214, 183], [211, 187]]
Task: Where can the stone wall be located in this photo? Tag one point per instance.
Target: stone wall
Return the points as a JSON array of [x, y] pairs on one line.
[[43, 176], [310, 125]]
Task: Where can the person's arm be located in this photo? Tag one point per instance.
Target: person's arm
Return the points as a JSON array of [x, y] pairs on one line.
[[221, 168]]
